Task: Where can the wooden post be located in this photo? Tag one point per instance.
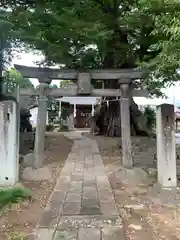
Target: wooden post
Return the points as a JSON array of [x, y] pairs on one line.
[[125, 127], [41, 126], [166, 145]]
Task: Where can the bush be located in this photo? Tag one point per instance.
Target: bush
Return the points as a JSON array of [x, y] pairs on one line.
[[13, 195], [150, 117]]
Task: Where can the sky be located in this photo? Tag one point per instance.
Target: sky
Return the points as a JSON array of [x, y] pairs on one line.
[[173, 93]]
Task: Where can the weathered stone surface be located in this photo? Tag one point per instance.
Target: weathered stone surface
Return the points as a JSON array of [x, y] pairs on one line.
[[50, 217], [132, 176], [113, 233], [38, 174], [42, 234], [89, 234], [68, 234], [57, 198], [28, 160], [108, 209], [73, 197], [71, 208]]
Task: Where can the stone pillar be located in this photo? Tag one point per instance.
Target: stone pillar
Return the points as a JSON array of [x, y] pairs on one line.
[[166, 146], [125, 127], [17, 96], [74, 113], [92, 113], [41, 126], [47, 118], [9, 150], [60, 109]]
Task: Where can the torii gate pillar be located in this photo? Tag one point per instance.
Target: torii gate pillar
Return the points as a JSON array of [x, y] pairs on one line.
[[125, 126], [41, 126]]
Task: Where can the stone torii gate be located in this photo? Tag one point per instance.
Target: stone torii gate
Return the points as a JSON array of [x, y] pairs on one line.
[[9, 119], [84, 88]]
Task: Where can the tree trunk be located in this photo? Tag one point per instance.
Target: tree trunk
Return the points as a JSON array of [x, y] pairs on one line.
[[108, 120]]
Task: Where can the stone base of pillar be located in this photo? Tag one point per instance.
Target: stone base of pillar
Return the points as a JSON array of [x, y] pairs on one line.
[[39, 174], [9, 149]]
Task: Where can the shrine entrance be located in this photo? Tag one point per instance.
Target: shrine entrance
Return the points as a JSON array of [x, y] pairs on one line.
[[84, 88]]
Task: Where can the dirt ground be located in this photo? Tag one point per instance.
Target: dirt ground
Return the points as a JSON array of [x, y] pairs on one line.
[[158, 221], [23, 217]]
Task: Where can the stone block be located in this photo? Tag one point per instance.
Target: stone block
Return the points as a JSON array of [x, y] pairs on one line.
[[132, 176], [73, 197], [109, 209], [90, 207], [67, 234], [42, 234], [89, 234], [71, 208], [113, 233]]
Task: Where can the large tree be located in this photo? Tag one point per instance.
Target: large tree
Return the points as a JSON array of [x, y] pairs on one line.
[[13, 79], [105, 34]]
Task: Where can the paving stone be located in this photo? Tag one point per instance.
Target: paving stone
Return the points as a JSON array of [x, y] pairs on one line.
[[71, 208], [67, 234], [108, 208], [90, 183], [90, 207], [57, 198], [89, 234], [113, 233], [50, 216], [105, 198], [72, 197], [42, 234]]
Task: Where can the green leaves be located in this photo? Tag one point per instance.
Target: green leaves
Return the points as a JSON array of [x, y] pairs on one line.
[[103, 34], [14, 79]]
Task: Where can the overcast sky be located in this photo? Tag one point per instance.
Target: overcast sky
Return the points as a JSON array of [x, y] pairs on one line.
[[28, 59]]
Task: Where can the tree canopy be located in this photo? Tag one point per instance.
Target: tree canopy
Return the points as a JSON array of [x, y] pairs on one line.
[[104, 34], [65, 83], [13, 79]]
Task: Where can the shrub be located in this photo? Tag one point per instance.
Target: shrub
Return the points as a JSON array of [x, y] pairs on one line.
[[150, 117]]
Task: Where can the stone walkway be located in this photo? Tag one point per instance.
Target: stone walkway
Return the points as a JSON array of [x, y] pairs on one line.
[[82, 206]]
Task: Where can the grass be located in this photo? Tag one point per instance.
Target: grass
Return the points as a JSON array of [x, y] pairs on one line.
[[13, 195]]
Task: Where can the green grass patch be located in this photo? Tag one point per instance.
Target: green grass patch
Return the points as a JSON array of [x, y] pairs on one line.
[[13, 195]]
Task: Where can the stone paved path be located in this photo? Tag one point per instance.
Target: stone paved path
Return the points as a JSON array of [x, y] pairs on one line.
[[82, 205]]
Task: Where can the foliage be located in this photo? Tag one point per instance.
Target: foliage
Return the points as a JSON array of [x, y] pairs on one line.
[[65, 83], [64, 113], [13, 79], [104, 34], [53, 106], [150, 117], [14, 195], [9, 39]]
